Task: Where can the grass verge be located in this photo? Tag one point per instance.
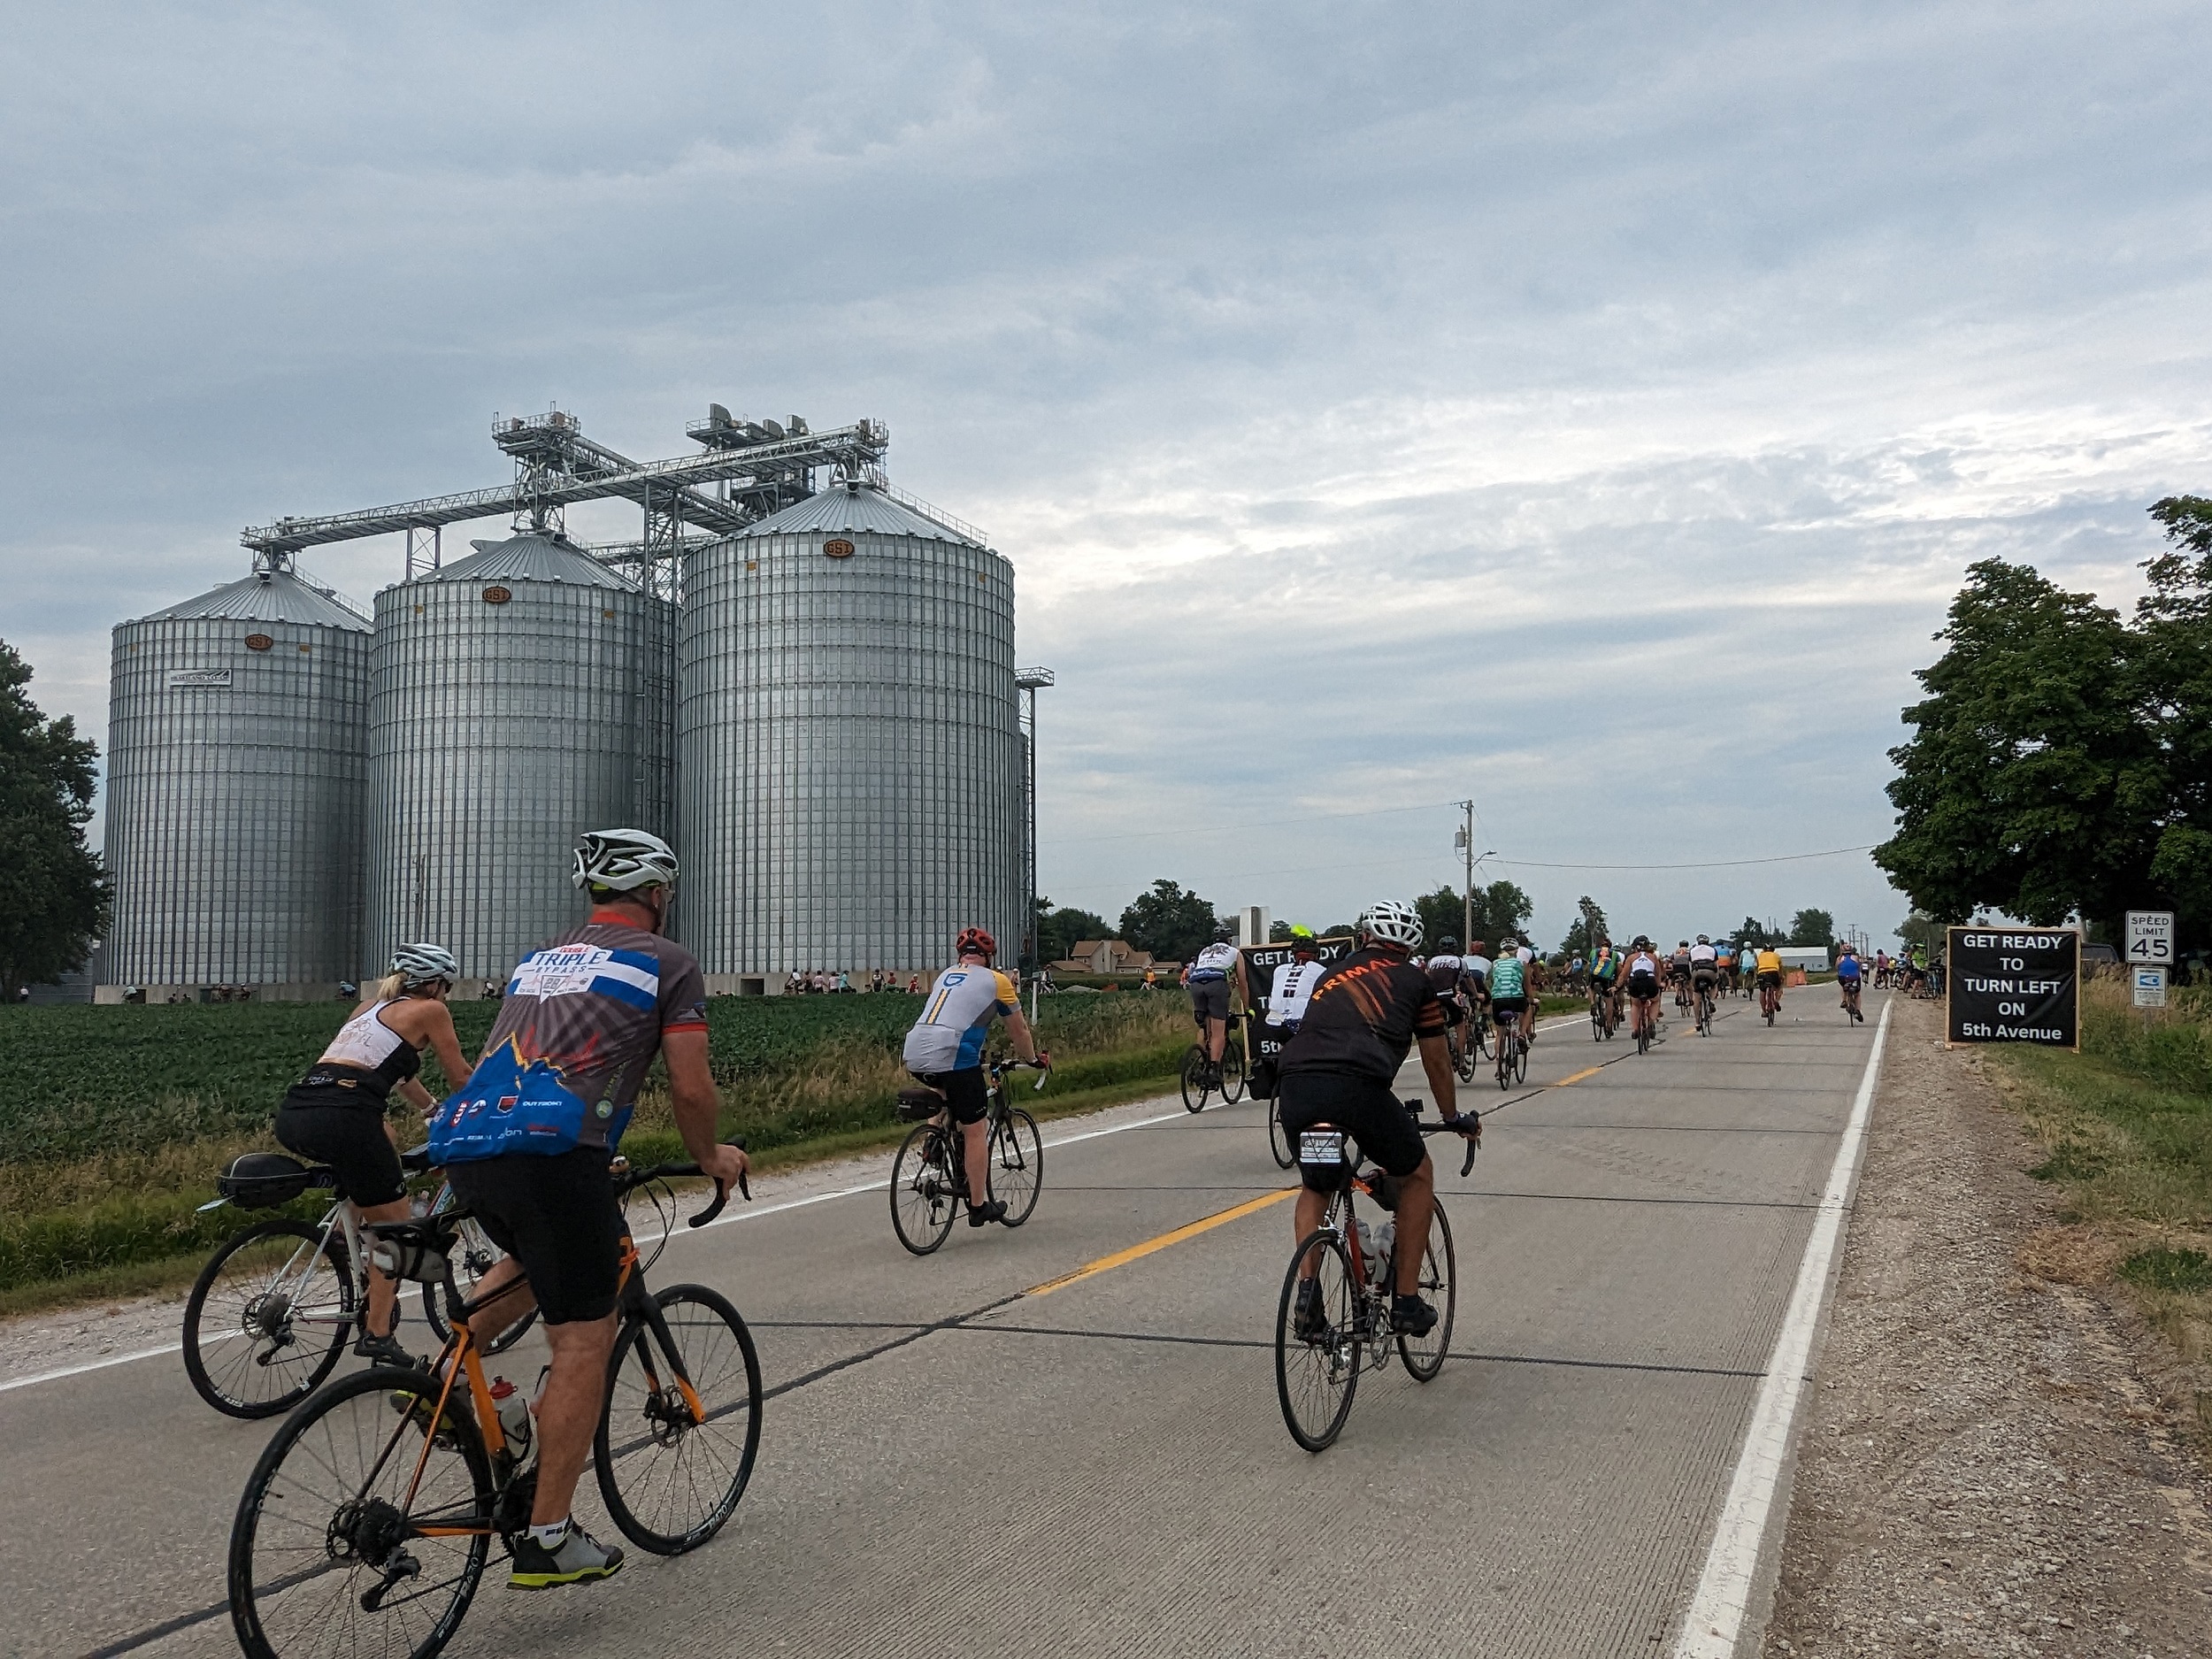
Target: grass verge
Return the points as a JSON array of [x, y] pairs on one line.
[[2125, 1127]]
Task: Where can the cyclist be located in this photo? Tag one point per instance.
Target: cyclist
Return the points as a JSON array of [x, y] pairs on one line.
[[579, 1027], [1748, 968], [334, 1115], [1770, 980], [1704, 966], [1208, 977], [1679, 974], [1643, 988], [1605, 976], [1850, 975], [1447, 973], [1725, 965], [1510, 998], [945, 1050], [1369, 1009]]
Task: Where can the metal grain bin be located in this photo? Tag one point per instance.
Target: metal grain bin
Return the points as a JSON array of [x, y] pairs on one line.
[[518, 697], [236, 765], [848, 744]]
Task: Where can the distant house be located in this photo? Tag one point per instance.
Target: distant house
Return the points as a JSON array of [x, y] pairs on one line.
[[1113, 956]]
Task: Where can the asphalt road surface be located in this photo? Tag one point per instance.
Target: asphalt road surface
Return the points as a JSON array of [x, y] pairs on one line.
[[951, 1467]]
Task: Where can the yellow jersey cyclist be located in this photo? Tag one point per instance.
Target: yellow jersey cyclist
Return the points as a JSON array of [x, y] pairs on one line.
[[945, 1050], [527, 1141], [1341, 1069], [1207, 975], [1770, 980]]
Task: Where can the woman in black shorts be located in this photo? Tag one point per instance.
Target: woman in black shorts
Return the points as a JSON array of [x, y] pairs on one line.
[[334, 1115]]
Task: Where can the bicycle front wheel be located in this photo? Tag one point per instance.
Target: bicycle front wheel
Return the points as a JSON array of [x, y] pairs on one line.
[[1424, 1356], [328, 1553], [1317, 1356], [1520, 1061], [1233, 1073], [1463, 1054], [268, 1318], [1017, 1164], [924, 1195], [673, 1462], [1278, 1137]]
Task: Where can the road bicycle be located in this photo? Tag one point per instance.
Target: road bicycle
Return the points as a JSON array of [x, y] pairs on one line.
[[1603, 1021], [1770, 1001], [1462, 1039], [1851, 1004], [1319, 1357], [1512, 1063], [1647, 1029], [929, 1177], [1195, 1072], [1704, 1008], [271, 1314], [365, 1526]]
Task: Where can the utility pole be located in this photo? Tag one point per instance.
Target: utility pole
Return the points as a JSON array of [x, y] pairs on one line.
[[1466, 839]]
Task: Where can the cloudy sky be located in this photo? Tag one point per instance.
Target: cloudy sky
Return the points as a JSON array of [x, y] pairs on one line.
[[1590, 409]]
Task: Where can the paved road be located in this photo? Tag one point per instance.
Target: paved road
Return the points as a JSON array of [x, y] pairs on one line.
[[1102, 1469]]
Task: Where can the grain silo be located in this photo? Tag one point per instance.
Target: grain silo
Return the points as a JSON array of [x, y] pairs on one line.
[[518, 697], [235, 771], [847, 747]]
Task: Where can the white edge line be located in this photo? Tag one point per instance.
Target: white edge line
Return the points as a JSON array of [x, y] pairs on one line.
[[1713, 1621], [725, 1220]]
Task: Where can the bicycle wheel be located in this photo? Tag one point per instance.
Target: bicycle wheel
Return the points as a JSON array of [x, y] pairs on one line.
[[1017, 1164], [268, 1318], [1233, 1073], [672, 1476], [1643, 1038], [1597, 1024], [1317, 1374], [1278, 1137], [924, 1197], [1520, 1061], [472, 1261], [1195, 1080], [1463, 1054], [1424, 1356], [327, 1554]]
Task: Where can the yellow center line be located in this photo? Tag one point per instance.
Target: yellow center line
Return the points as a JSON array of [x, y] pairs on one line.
[[1137, 1252], [1578, 1076]]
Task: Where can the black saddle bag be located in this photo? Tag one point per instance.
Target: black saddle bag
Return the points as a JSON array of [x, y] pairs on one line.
[[263, 1180]]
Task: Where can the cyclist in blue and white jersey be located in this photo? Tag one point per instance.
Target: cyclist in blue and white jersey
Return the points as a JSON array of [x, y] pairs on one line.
[[1206, 976], [945, 1050]]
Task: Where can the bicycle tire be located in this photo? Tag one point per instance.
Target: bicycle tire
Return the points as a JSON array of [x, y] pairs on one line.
[[355, 1452], [1333, 1363], [1279, 1145], [470, 1265], [1423, 1356], [1520, 1062], [1019, 1182], [685, 1462], [1194, 1074], [222, 1379], [924, 1197], [1463, 1054], [1234, 1074]]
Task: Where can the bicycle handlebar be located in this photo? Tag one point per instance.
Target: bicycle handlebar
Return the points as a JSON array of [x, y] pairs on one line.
[[630, 1178], [1474, 1145]]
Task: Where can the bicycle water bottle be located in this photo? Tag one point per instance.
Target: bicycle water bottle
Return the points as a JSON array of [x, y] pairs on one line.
[[514, 1421], [1379, 1240]]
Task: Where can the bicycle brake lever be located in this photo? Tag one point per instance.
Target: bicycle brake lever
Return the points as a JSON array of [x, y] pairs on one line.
[[1468, 1162]]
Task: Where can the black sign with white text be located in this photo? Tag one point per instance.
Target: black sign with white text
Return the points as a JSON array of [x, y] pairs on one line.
[[2014, 985]]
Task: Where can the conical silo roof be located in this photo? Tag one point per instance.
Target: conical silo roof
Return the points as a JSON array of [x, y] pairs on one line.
[[529, 557], [851, 507], [264, 597]]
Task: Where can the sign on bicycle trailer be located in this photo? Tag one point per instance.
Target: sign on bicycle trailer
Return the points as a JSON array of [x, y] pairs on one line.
[[2014, 985]]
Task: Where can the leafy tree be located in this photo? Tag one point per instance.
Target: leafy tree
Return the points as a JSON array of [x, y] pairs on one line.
[[1059, 930], [2175, 620], [1500, 908], [1917, 929], [1443, 916], [1812, 927], [1168, 922], [1589, 928], [1754, 932], [54, 896], [2032, 784]]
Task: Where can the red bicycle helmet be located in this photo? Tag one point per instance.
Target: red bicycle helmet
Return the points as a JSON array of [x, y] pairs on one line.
[[974, 941]]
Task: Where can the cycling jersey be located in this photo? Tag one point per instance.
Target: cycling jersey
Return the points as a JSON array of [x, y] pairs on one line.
[[1292, 990], [1478, 968], [1643, 972], [1214, 962], [956, 1018], [1445, 973], [1848, 970], [366, 1054], [1769, 961], [1508, 979], [1605, 967], [1703, 956], [1363, 1017]]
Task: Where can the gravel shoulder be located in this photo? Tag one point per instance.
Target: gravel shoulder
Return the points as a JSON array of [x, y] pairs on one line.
[[1989, 1465]]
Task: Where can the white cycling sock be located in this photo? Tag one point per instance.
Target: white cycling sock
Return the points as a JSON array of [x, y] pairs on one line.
[[550, 1536]]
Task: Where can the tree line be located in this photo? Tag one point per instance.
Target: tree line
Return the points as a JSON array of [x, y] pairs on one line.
[[54, 896]]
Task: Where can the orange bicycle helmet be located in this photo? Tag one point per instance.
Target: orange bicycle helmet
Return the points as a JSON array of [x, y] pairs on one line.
[[974, 941]]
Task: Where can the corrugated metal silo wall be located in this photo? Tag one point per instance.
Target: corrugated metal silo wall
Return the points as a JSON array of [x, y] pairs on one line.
[[848, 753], [497, 734], [235, 812]]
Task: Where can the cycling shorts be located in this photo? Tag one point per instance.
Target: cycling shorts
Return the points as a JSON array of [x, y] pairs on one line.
[[557, 1215], [344, 1129], [1704, 973], [1209, 999], [967, 1093], [1508, 1007], [1770, 982], [1365, 1109], [1642, 987]]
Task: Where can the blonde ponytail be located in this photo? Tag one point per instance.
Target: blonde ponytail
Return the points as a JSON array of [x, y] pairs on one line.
[[388, 989]]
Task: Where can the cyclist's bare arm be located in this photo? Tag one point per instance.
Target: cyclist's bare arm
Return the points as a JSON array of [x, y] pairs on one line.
[[1024, 1045], [698, 1106]]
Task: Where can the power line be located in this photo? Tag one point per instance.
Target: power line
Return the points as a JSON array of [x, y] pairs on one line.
[[1717, 863], [1271, 823]]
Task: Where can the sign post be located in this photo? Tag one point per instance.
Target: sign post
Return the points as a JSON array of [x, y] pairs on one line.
[[2150, 987], [2014, 985], [2150, 939]]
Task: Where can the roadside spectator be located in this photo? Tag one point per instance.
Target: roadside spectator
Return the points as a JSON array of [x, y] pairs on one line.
[[913, 984]]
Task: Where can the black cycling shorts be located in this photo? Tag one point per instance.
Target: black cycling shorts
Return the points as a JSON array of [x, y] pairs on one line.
[[557, 1215], [967, 1093], [1508, 1007], [1209, 999], [1770, 981], [1642, 987], [343, 1128], [1367, 1109]]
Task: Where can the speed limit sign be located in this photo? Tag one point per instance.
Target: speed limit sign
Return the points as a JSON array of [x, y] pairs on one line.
[[2151, 938]]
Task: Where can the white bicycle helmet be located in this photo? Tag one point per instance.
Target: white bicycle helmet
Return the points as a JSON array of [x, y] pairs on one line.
[[419, 965], [1394, 922], [624, 860]]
